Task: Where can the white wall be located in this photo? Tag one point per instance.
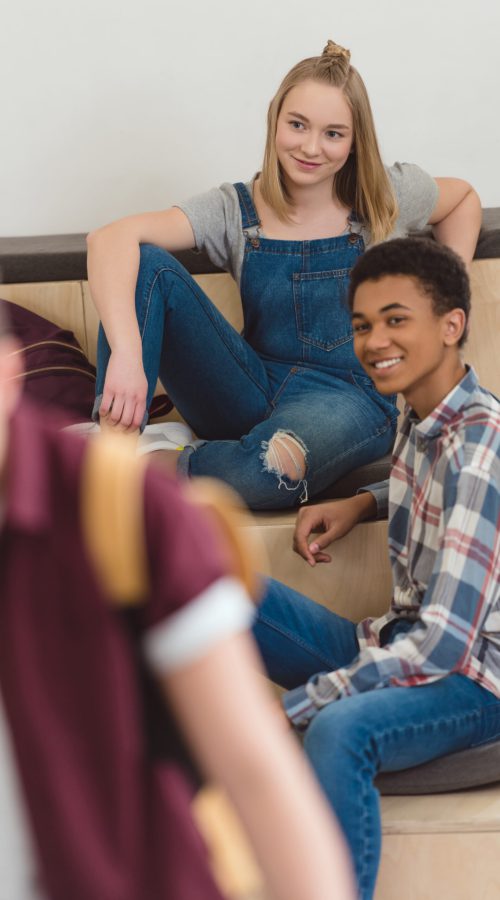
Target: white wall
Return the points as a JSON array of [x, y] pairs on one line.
[[114, 106]]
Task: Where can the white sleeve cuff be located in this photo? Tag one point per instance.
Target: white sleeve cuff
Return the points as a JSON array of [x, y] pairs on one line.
[[222, 609]]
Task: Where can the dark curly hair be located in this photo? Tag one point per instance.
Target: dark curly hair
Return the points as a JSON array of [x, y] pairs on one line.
[[439, 271]]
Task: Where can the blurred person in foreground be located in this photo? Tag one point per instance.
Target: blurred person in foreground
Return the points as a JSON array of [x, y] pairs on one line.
[[423, 680], [91, 808]]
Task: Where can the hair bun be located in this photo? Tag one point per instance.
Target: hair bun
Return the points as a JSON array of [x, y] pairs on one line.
[[336, 53]]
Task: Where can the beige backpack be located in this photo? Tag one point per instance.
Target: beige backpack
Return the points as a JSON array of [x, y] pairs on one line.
[[112, 505]]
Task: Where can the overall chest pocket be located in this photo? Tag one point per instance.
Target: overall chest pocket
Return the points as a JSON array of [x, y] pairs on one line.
[[321, 313]]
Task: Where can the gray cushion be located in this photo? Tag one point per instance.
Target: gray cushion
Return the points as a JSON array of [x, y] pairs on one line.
[[488, 245], [62, 257], [467, 769]]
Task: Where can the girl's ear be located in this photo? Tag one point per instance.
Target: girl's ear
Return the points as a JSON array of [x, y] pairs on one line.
[[455, 323]]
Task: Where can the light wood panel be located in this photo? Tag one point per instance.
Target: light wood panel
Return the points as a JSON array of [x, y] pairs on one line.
[[464, 811], [91, 322], [440, 867], [357, 583], [482, 349], [435, 855], [59, 301]]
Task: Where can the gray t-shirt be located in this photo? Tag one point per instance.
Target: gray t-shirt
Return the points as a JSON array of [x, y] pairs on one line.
[[215, 216]]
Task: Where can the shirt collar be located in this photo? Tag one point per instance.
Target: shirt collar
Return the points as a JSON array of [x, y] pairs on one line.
[[28, 472], [444, 412]]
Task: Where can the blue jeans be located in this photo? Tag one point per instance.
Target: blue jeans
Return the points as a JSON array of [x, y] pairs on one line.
[[235, 400], [385, 730]]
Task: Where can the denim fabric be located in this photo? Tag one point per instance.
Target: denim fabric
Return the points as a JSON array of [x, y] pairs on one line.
[[293, 371], [384, 730]]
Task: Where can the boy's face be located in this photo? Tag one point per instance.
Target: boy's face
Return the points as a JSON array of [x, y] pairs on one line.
[[10, 388], [403, 345]]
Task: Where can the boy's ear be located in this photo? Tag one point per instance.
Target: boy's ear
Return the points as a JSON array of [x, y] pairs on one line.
[[455, 323]]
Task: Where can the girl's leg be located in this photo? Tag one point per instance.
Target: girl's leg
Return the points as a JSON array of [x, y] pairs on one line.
[[212, 375], [298, 638], [386, 730], [314, 436]]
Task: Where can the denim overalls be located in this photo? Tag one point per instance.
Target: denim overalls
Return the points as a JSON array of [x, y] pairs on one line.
[[293, 372]]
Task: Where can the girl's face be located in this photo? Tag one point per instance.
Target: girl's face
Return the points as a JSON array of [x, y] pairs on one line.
[[314, 133]]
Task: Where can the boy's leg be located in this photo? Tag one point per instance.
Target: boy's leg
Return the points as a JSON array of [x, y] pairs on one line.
[[298, 638], [214, 378], [394, 728]]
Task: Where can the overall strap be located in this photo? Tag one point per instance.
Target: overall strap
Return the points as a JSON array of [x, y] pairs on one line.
[[249, 217]]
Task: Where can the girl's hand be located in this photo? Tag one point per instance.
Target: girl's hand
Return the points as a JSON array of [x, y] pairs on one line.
[[125, 391], [334, 520]]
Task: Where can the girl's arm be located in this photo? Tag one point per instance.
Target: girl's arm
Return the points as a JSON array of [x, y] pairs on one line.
[[113, 265], [456, 218], [243, 743]]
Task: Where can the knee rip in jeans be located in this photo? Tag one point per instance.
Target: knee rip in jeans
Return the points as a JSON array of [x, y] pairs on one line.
[[286, 457]]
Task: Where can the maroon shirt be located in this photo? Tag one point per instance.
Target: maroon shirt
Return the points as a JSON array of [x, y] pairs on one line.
[[109, 822]]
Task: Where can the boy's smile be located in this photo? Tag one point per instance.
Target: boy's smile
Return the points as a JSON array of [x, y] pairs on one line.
[[403, 345]]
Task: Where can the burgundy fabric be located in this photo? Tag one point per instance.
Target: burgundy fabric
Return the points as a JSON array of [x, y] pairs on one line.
[[109, 821], [58, 372]]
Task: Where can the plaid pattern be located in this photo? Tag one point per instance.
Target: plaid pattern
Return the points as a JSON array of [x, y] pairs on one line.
[[444, 546]]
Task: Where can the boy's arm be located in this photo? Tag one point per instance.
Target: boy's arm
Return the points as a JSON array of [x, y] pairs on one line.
[[461, 593], [241, 741], [194, 638]]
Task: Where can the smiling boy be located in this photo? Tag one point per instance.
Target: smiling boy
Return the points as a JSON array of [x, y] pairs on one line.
[[423, 680]]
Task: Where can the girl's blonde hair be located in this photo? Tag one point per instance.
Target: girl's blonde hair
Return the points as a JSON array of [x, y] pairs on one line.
[[362, 184]]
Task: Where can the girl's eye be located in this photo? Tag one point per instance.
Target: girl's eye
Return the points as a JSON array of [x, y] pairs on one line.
[[296, 125], [396, 320], [333, 134], [360, 329]]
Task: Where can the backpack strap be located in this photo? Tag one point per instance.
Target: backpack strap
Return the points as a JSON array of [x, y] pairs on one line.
[[112, 511], [246, 552], [112, 508]]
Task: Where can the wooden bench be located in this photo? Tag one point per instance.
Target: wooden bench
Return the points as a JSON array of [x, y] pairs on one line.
[[435, 846]]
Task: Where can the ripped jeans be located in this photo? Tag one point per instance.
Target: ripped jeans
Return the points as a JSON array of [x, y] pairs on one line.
[[277, 433]]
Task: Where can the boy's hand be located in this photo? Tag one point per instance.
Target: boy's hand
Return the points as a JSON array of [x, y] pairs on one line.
[[334, 520]]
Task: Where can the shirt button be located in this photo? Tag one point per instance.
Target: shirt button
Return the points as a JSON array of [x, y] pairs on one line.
[[353, 239]]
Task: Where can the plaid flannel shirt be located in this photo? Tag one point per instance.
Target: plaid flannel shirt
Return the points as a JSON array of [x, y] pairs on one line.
[[444, 547]]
